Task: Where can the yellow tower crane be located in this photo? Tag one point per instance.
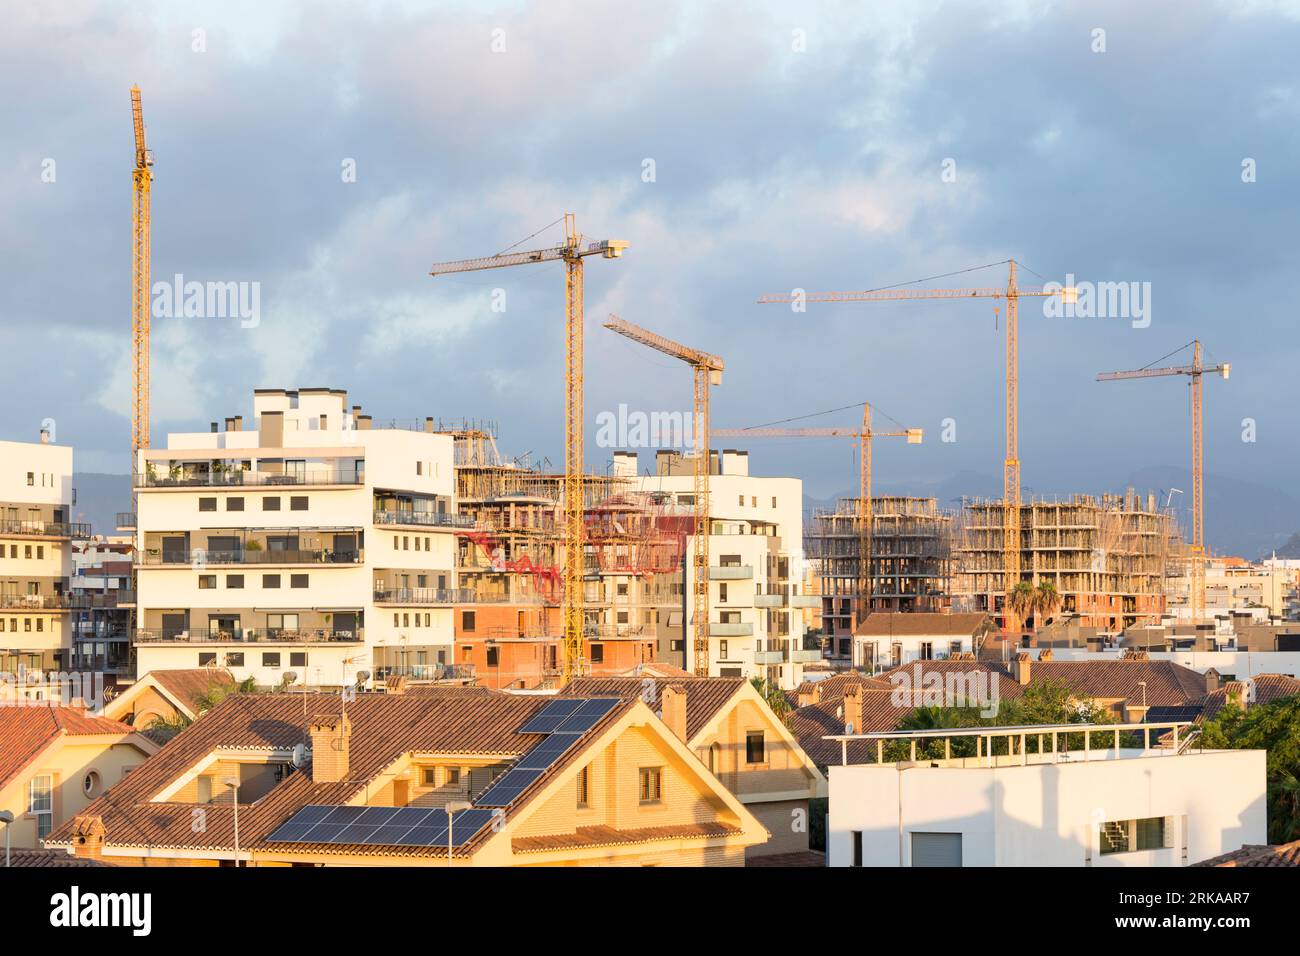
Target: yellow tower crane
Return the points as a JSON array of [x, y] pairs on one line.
[[1194, 372], [1012, 293], [708, 371], [142, 176], [571, 252], [865, 514]]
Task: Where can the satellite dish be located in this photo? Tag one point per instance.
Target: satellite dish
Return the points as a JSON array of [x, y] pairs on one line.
[[299, 755]]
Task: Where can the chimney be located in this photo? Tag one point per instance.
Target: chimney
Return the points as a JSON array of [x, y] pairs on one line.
[[239, 423], [1024, 668], [88, 836], [853, 709], [428, 424], [813, 695], [45, 436], [331, 735], [672, 703], [1211, 681], [212, 427], [1237, 693], [1045, 654], [230, 424], [396, 684]]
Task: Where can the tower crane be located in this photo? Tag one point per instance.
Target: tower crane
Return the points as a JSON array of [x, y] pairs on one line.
[[571, 252], [141, 229], [865, 515], [1195, 372], [1012, 293], [708, 371]]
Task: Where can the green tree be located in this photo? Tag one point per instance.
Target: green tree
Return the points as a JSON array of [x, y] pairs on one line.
[[774, 696], [1046, 603], [1275, 728], [1020, 600]]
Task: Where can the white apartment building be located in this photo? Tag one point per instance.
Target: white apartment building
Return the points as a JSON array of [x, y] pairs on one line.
[[36, 499], [312, 542], [756, 620], [1034, 804]]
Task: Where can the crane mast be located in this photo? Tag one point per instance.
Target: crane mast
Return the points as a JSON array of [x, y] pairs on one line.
[[571, 252], [142, 177], [707, 370]]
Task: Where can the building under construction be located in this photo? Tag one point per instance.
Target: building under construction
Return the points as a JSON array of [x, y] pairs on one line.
[[911, 561], [1107, 557]]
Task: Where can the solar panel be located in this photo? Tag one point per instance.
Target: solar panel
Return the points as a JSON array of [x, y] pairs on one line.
[[550, 716], [354, 833], [412, 816], [344, 815], [313, 813], [507, 787], [374, 816], [291, 832], [323, 833], [587, 716], [425, 836], [467, 824], [546, 752], [387, 836]]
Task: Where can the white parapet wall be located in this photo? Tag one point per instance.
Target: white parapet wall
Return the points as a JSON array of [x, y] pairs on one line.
[[1049, 814]]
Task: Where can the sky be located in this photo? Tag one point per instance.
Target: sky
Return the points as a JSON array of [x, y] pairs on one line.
[[327, 154]]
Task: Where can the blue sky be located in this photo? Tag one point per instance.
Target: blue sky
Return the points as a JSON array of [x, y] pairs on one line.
[[794, 145]]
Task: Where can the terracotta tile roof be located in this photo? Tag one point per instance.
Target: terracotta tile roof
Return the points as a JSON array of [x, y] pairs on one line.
[[1268, 688], [26, 731], [797, 858], [832, 688], [705, 696], [1168, 684], [611, 836], [188, 686], [384, 728], [1276, 855], [50, 858], [881, 711], [920, 624], [448, 690]]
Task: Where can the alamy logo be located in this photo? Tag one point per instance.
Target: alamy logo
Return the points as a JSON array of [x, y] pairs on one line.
[[933, 688], [1099, 300], [179, 299], [636, 429], [131, 910]]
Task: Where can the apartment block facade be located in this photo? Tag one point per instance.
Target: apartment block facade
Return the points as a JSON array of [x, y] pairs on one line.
[[36, 532], [312, 542]]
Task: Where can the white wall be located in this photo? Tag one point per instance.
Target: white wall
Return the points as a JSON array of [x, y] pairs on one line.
[[1240, 664], [1047, 815]]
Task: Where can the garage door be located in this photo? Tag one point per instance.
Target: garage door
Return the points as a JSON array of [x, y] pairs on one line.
[[936, 849]]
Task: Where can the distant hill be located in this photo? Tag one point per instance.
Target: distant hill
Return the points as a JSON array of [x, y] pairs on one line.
[[99, 498]]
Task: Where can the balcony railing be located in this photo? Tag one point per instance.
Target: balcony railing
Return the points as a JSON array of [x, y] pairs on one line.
[[433, 672], [125, 521], [730, 629], [236, 635], [247, 556], [256, 479], [40, 602], [423, 595], [46, 529], [731, 572], [426, 519]]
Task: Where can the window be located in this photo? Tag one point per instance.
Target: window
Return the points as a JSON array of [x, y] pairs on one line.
[[451, 776], [235, 659], [90, 784], [271, 503], [234, 504], [428, 776], [207, 504], [207, 658], [651, 784], [583, 786], [598, 653], [271, 659], [722, 592], [753, 501], [297, 580], [298, 503], [207, 582], [774, 501], [722, 650], [419, 467], [1123, 836], [927, 651], [742, 500], [857, 847], [234, 581], [270, 580], [755, 751], [493, 657], [622, 589], [31, 478], [298, 659], [40, 804], [467, 620]]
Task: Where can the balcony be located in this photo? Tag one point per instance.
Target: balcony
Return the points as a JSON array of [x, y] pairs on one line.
[[426, 672], [40, 602], [735, 572], [768, 658], [45, 529], [424, 519], [720, 629], [250, 479], [424, 596], [806, 600], [250, 635], [125, 521], [201, 557], [806, 656], [769, 600]]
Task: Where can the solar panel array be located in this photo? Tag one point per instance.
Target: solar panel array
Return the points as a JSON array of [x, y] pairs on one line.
[[380, 826], [562, 721]]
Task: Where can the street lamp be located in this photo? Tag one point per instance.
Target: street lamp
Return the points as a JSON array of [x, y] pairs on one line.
[[6, 817], [453, 807], [233, 783]]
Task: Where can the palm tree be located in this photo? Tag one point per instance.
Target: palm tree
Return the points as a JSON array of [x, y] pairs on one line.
[[1020, 600], [1046, 603]]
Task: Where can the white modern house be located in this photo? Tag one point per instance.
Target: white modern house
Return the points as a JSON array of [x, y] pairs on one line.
[[756, 620], [312, 542], [36, 534], [888, 639], [1032, 803]]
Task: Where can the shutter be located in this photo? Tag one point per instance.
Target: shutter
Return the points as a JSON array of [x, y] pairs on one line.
[[936, 849]]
